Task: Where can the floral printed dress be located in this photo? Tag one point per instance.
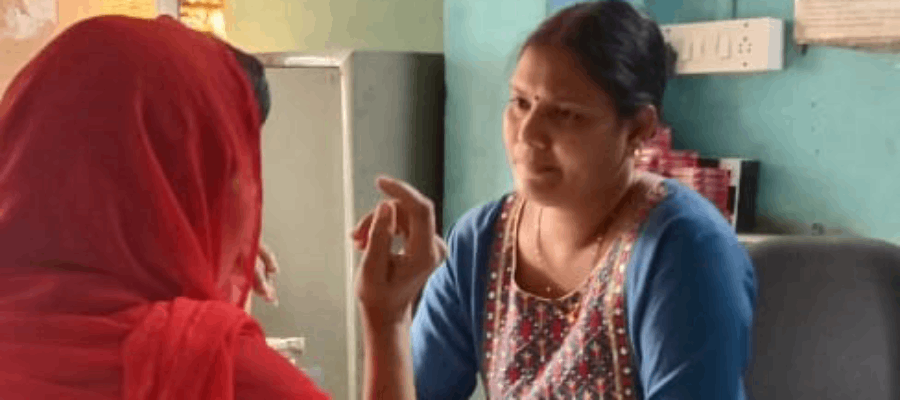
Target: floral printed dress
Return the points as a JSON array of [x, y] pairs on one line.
[[573, 347]]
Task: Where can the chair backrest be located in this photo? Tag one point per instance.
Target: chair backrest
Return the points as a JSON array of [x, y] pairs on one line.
[[828, 320]]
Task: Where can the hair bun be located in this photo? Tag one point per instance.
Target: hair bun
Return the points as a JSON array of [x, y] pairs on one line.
[[671, 60], [256, 74]]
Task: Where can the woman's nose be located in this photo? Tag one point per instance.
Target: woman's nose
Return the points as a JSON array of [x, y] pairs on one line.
[[532, 131]]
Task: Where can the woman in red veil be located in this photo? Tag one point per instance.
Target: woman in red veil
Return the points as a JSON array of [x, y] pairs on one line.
[[130, 212]]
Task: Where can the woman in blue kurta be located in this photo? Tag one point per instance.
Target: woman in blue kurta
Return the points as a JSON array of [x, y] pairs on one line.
[[591, 280]]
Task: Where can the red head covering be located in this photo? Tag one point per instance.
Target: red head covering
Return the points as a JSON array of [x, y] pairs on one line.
[[130, 197]]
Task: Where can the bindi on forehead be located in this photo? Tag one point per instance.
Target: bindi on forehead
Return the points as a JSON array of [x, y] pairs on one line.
[[557, 94], [552, 74]]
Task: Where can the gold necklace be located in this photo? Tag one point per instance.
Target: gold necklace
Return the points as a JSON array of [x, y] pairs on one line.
[[540, 249], [602, 230]]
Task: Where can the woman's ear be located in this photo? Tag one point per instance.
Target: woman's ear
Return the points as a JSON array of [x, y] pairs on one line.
[[644, 126]]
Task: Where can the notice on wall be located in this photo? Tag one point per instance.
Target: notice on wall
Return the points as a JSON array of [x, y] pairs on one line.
[[131, 8], [25, 27], [852, 23], [26, 19]]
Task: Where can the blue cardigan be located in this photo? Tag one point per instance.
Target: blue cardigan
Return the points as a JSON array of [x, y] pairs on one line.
[[690, 293]]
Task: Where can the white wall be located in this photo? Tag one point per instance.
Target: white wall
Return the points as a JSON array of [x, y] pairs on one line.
[[303, 214], [314, 25], [279, 25]]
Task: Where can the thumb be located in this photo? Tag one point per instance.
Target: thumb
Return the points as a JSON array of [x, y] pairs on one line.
[[377, 253]]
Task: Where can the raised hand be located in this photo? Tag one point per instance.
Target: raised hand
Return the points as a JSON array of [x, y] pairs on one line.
[[387, 284]]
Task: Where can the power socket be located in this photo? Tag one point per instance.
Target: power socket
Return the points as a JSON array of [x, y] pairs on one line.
[[727, 47]]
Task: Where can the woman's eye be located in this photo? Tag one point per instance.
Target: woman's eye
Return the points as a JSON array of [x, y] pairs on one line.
[[519, 103], [566, 115]]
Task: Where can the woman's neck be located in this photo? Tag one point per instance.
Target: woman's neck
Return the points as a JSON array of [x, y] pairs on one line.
[[577, 225]]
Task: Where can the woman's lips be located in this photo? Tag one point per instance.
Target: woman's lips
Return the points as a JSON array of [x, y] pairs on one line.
[[537, 170]]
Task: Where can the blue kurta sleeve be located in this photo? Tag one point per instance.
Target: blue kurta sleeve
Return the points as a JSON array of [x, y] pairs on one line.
[[691, 313], [446, 330], [442, 349]]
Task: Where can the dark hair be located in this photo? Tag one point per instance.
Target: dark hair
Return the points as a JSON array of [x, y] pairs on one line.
[[256, 73], [622, 50]]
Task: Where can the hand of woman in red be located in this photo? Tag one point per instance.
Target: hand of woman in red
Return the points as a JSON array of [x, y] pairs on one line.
[[265, 270], [387, 283]]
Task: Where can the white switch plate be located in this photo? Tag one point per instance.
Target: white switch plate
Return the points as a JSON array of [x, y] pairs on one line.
[[727, 47]]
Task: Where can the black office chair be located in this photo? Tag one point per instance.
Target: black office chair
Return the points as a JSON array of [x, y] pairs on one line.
[[828, 320]]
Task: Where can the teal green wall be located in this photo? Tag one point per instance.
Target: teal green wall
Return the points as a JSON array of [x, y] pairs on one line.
[[480, 38], [556, 5], [827, 128]]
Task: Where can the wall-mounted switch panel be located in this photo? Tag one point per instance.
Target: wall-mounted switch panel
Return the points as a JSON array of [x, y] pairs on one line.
[[727, 47]]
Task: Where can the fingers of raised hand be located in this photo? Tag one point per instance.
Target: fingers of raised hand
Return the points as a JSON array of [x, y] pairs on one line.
[[418, 207], [399, 225], [377, 252], [360, 234], [417, 219]]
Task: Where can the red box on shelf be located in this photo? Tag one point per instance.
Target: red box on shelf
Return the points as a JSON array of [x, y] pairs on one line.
[[676, 159], [712, 183], [649, 157], [736, 197], [742, 191], [662, 139]]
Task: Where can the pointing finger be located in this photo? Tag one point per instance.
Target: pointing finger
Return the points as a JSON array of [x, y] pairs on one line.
[[362, 228], [419, 212], [377, 254]]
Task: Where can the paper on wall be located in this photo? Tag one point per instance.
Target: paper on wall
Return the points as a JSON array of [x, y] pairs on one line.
[[851, 23], [26, 19], [133, 8]]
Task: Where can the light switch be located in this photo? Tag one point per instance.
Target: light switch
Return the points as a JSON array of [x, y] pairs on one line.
[[724, 46], [715, 47], [701, 46], [678, 45], [684, 48], [711, 49]]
